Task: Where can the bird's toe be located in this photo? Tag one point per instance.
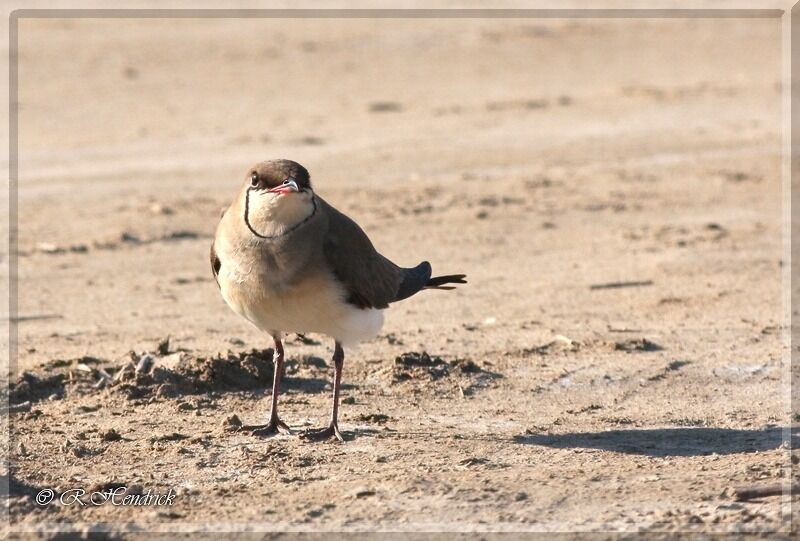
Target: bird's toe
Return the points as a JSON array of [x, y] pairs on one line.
[[330, 433], [270, 429]]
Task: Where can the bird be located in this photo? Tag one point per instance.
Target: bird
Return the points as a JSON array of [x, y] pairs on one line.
[[289, 262]]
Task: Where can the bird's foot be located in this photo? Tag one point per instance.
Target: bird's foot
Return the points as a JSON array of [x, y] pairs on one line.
[[270, 429], [323, 434]]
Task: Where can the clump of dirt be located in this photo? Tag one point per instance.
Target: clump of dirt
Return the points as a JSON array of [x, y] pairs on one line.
[[63, 376], [377, 418], [33, 388], [161, 375], [196, 375], [466, 366], [110, 435], [559, 344], [637, 344], [415, 365], [421, 366], [563, 345], [232, 423]]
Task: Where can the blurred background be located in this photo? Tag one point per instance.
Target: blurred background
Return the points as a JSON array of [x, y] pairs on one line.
[[574, 149]]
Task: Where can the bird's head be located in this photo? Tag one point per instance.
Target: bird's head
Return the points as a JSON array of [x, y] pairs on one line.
[[277, 196]]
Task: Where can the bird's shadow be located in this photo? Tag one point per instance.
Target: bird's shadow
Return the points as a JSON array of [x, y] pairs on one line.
[[664, 442]]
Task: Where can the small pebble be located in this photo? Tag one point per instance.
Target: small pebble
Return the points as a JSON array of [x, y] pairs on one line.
[[157, 208], [48, 248], [232, 423], [110, 435], [145, 364]]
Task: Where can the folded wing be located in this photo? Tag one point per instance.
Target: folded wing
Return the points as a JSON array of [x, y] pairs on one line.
[[370, 280]]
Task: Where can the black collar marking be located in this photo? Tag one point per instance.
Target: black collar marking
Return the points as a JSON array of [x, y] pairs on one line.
[[268, 237]]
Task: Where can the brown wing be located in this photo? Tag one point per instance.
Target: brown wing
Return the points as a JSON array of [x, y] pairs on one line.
[[371, 280]]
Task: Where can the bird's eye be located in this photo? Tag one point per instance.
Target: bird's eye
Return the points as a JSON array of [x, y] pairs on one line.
[[254, 179]]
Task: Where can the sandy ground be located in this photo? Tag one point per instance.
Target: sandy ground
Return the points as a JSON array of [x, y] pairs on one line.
[[540, 157]]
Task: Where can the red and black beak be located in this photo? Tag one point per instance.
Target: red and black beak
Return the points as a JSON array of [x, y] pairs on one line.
[[288, 186]]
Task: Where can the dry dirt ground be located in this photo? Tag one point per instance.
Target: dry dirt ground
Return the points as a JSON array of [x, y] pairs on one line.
[[543, 158]]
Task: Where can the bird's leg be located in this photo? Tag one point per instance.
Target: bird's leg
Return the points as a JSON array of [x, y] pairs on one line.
[[332, 430], [274, 425]]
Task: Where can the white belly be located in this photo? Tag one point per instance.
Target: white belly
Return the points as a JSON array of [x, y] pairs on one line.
[[315, 305]]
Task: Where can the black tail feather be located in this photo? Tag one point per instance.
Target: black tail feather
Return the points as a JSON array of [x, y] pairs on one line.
[[418, 278], [438, 282]]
